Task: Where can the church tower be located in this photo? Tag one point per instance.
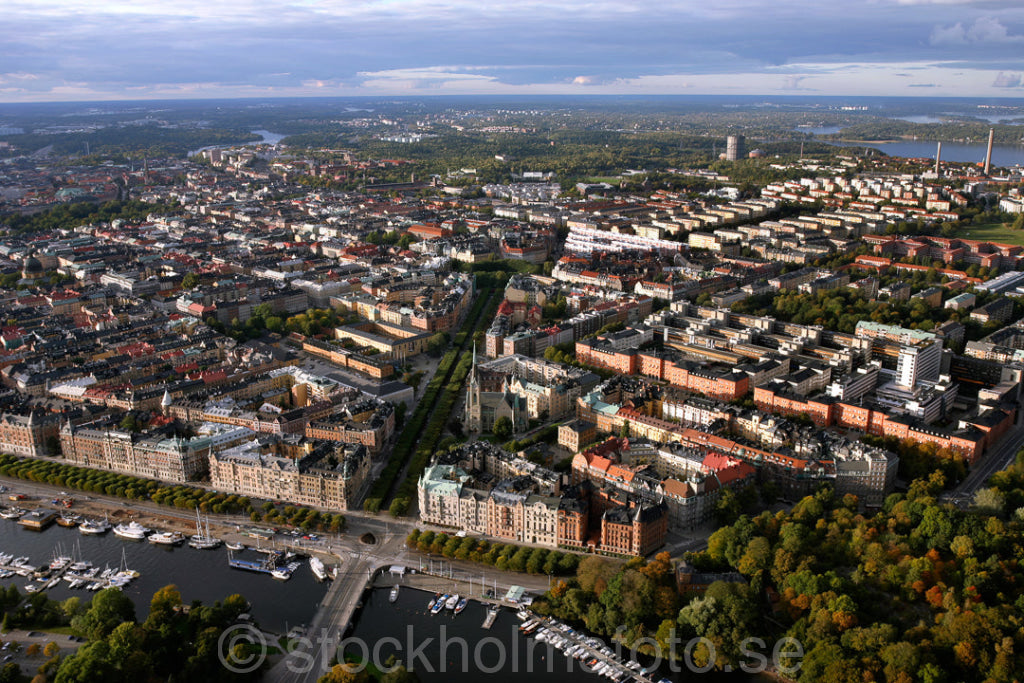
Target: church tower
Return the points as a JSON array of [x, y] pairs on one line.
[[473, 416]]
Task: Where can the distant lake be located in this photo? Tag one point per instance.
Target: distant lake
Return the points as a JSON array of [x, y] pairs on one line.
[[1002, 155], [268, 139], [937, 118]]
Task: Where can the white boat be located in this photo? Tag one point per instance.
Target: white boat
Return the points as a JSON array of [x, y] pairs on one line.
[[318, 568], [202, 540], [59, 562], [94, 527], [31, 588], [281, 574], [461, 605], [132, 531], [21, 562], [235, 546], [452, 601], [393, 595], [167, 538], [439, 604], [11, 513]]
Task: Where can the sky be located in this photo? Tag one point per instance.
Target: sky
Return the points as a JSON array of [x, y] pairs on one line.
[[66, 50]]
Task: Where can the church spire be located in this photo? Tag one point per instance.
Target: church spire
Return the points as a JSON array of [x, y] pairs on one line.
[[472, 369]]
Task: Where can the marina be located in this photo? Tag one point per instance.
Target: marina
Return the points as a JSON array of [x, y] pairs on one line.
[[276, 605], [379, 616]]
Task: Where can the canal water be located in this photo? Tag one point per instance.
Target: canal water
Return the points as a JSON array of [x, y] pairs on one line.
[[456, 648], [202, 575]]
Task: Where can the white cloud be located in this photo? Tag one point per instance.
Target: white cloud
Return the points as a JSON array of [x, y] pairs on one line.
[[985, 30], [1004, 80]]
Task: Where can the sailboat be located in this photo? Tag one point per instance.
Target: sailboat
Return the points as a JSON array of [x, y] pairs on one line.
[[202, 539]]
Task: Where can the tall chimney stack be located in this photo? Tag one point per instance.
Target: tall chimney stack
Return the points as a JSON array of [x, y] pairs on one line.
[[988, 154], [938, 156]]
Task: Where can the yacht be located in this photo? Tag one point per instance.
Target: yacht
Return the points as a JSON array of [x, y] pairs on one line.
[[202, 540], [439, 604], [11, 513], [31, 588], [452, 601], [132, 531], [319, 570], [235, 546], [167, 538], [393, 595], [461, 605], [281, 573], [94, 527]]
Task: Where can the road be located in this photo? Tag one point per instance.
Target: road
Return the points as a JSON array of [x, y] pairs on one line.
[[313, 653], [998, 458]]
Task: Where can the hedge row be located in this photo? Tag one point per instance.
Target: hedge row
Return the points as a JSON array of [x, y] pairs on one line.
[[108, 483], [414, 425], [180, 496], [503, 556]]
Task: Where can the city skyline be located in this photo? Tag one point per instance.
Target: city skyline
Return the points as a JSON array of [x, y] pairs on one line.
[[60, 50]]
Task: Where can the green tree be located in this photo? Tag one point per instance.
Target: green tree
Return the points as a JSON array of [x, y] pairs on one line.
[[503, 428], [190, 281], [109, 608]]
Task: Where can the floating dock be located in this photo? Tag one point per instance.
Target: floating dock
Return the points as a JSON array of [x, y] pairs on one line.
[[38, 520]]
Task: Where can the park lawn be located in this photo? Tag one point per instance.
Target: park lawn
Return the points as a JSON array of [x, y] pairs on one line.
[[993, 232], [610, 179]]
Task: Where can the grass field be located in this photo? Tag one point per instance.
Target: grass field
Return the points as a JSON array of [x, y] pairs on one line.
[[993, 232]]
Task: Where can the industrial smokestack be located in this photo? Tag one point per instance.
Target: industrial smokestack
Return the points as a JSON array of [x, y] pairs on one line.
[[938, 157], [988, 154]]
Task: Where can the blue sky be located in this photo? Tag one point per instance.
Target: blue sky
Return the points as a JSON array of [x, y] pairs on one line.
[[54, 50]]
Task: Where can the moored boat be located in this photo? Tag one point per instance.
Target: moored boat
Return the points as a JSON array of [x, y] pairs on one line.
[[393, 595], [461, 605], [167, 538], [132, 531], [318, 568], [439, 604], [94, 527], [202, 540], [69, 519], [452, 601]]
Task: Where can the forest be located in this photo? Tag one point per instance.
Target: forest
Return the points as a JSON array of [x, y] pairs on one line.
[[916, 591]]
